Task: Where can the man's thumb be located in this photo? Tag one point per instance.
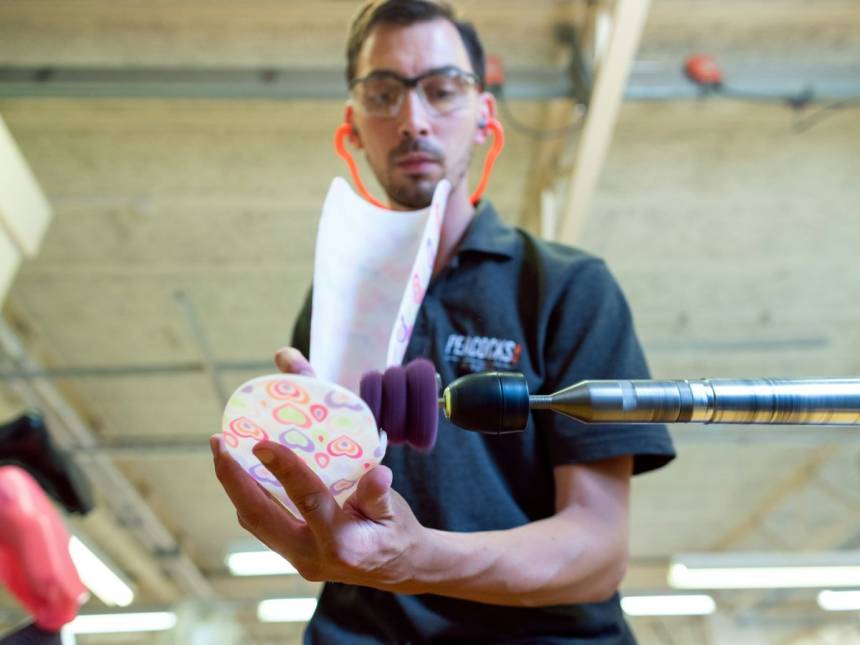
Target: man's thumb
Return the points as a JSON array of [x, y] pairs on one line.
[[372, 497]]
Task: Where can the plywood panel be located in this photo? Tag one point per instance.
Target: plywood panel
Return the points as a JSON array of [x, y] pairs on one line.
[[754, 32], [727, 227]]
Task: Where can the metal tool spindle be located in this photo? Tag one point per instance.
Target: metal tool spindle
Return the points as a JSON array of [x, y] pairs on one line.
[[499, 402]]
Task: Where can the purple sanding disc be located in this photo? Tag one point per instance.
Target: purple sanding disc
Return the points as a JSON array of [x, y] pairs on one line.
[[370, 390], [423, 409], [394, 404]]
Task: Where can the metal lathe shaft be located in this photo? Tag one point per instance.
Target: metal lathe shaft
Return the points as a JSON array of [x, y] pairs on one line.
[[766, 401]]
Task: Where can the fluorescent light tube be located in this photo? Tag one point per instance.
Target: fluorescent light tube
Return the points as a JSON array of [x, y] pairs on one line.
[[286, 610], [668, 605], [839, 600], [150, 621], [683, 577], [98, 577], [258, 563], [765, 570]]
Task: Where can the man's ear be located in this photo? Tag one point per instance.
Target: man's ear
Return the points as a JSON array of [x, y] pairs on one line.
[[349, 117], [486, 113]]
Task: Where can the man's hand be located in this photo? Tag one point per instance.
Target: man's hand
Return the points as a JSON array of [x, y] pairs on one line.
[[367, 542]]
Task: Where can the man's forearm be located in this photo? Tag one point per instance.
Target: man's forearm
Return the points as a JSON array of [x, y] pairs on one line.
[[572, 557]]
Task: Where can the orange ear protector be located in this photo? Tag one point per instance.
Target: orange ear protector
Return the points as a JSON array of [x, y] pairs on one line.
[[345, 130]]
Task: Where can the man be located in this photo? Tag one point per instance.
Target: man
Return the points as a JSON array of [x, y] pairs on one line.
[[520, 538]]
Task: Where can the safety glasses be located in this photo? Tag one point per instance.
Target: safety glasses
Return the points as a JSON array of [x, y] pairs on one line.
[[380, 94]]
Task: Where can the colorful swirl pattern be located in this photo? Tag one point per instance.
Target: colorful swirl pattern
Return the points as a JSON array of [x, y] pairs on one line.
[[244, 427], [341, 485], [287, 390], [263, 476], [292, 415], [297, 440], [319, 412], [335, 399], [344, 446]]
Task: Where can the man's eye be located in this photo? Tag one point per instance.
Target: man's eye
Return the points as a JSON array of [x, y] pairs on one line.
[[441, 92], [442, 88], [382, 95]]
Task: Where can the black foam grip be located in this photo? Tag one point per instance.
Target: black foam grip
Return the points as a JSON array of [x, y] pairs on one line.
[[422, 410], [394, 404]]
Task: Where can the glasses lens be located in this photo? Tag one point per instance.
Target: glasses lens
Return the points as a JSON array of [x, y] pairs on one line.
[[380, 96], [446, 91], [443, 92]]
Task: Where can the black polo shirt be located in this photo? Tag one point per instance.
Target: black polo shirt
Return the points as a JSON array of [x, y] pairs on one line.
[[506, 301]]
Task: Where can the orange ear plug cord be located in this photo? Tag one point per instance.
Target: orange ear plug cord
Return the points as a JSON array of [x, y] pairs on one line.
[[345, 130]]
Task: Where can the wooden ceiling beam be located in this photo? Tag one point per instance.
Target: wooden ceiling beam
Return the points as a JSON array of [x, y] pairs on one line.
[[628, 22]]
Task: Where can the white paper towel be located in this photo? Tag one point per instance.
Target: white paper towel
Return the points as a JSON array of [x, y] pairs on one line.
[[371, 271]]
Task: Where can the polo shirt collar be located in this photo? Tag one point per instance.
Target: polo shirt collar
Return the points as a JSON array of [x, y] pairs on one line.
[[488, 234]]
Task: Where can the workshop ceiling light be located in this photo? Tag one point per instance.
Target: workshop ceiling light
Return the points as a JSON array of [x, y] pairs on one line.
[[99, 577], [839, 600], [765, 570], [258, 563], [286, 610], [149, 621], [668, 605]]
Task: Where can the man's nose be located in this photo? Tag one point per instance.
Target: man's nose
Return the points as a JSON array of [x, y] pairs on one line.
[[414, 116]]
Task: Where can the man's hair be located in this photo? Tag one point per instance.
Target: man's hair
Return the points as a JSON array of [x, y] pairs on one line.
[[405, 13]]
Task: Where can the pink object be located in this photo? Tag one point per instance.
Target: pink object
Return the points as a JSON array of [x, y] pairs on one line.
[[34, 552]]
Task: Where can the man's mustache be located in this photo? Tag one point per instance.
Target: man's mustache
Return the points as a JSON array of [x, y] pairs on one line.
[[410, 146]]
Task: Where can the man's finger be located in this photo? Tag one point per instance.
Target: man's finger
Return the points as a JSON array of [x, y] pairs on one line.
[[215, 445], [263, 516], [310, 495], [291, 361]]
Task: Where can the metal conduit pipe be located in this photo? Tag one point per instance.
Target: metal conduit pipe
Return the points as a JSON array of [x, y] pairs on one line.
[[649, 81]]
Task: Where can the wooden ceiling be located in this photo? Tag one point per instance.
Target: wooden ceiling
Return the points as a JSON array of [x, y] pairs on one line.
[[732, 229]]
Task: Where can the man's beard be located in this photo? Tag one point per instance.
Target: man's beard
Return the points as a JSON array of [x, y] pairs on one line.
[[413, 192], [415, 195]]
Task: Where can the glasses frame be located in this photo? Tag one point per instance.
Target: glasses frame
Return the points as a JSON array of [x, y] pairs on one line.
[[413, 83]]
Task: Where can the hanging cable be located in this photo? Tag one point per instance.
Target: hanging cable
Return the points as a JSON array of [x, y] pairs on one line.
[[706, 74], [531, 131]]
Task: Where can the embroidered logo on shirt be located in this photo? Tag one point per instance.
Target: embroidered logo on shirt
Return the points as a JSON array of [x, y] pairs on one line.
[[480, 353]]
